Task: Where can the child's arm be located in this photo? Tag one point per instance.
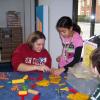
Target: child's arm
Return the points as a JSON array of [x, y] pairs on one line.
[[24, 68], [76, 59]]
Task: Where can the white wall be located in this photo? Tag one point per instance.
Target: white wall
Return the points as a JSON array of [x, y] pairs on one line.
[[11, 5], [57, 8], [29, 17], [26, 7]]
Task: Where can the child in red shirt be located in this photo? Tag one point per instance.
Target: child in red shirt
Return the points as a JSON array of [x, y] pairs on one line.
[[32, 55]]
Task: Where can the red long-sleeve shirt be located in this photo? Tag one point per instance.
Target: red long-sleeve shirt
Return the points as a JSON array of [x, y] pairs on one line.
[[24, 54]]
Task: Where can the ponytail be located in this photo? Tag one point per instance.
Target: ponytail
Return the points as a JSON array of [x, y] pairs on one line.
[[66, 22], [76, 28]]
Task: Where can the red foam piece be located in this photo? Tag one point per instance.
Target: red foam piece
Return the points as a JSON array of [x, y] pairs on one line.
[[36, 97], [33, 85], [33, 79], [39, 78], [22, 96], [72, 90]]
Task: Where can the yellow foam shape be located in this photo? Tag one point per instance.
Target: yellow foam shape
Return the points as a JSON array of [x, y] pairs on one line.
[[18, 81], [82, 96], [61, 84], [22, 92], [54, 79], [53, 76], [44, 82], [65, 89], [35, 92], [78, 96], [25, 77], [70, 96], [14, 88], [2, 86]]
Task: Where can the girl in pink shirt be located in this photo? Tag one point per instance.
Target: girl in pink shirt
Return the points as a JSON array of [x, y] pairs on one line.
[[72, 44]]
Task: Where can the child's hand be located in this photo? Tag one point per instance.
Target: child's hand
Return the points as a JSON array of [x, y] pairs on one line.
[[3, 76], [53, 70], [58, 58], [58, 71], [43, 68]]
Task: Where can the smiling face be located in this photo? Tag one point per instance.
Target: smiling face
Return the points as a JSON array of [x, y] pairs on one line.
[[38, 45], [65, 32]]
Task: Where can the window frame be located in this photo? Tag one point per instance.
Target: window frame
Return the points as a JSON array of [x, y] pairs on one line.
[[36, 4], [93, 12]]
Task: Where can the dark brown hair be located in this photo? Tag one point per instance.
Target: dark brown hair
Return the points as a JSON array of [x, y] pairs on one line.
[[95, 58], [66, 22], [34, 37]]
